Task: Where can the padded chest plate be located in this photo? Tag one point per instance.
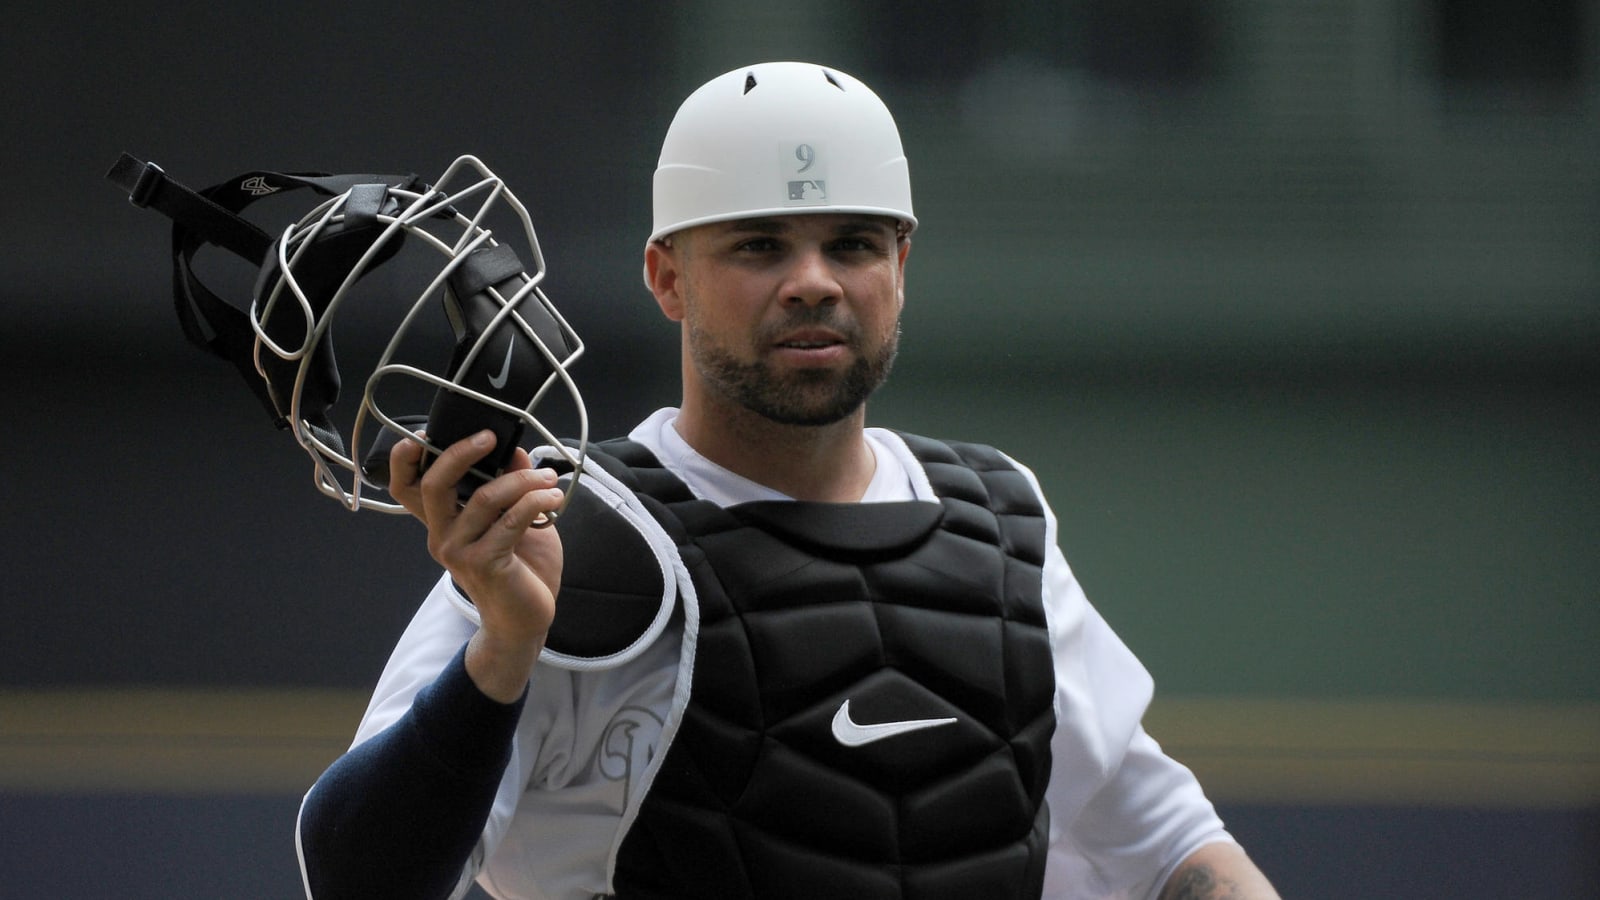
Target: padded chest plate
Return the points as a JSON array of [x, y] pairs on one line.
[[910, 613]]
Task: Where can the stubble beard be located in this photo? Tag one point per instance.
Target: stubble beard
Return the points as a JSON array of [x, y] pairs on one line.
[[810, 397]]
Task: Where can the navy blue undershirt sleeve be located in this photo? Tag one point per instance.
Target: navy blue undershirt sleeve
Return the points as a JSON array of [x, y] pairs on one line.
[[398, 816]]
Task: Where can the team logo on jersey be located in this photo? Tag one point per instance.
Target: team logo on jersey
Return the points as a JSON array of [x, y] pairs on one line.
[[628, 745], [256, 186]]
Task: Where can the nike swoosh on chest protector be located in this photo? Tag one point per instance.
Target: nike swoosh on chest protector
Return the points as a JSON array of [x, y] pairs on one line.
[[850, 734]]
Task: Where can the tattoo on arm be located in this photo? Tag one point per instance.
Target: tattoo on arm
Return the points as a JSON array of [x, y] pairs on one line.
[[1202, 883]]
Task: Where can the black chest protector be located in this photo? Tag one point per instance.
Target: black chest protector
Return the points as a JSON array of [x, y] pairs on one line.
[[871, 711]]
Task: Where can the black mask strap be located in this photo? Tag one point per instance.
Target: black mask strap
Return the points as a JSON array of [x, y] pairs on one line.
[[211, 216]]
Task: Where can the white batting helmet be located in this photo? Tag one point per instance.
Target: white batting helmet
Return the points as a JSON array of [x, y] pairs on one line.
[[780, 138]]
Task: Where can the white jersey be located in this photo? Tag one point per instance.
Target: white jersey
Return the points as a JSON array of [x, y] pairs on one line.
[[1122, 813]]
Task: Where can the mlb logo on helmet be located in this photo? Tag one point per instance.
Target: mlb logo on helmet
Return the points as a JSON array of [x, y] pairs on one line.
[[804, 174], [808, 191]]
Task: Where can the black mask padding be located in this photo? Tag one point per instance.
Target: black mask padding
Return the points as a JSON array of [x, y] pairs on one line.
[[320, 269], [509, 367], [211, 217], [375, 465]]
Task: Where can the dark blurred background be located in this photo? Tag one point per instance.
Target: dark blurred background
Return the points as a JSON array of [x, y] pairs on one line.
[[1293, 305]]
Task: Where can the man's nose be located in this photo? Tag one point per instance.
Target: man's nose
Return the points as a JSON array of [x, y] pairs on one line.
[[812, 280]]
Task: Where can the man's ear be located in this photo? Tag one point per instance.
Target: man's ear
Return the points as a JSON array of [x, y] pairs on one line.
[[902, 251], [661, 276]]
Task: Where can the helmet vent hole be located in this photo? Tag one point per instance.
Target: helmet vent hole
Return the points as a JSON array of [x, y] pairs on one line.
[[832, 80], [749, 82]]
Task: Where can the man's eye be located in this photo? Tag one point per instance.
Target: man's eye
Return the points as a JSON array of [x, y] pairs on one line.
[[854, 245]]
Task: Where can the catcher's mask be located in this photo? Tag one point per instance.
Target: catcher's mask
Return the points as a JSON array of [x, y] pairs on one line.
[[511, 345]]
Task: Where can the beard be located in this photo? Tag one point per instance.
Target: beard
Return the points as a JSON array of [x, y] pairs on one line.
[[804, 396]]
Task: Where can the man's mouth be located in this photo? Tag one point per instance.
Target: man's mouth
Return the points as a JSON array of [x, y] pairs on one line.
[[812, 348], [809, 339]]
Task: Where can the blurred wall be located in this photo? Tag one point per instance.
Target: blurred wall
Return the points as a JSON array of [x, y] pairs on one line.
[[1292, 306]]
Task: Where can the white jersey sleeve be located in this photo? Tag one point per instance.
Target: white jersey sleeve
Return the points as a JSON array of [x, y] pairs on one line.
[[1123, 814]]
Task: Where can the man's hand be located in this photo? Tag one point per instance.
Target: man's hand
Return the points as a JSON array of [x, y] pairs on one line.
[[510, 570]]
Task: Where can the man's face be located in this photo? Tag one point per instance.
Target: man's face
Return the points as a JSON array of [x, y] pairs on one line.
[[796, 317]]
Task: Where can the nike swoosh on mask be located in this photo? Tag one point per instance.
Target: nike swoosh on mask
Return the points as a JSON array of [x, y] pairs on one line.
[[499, 381]]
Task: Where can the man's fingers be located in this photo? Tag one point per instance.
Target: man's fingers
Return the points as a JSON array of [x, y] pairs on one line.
[[405, 459], [542, 497], [519, 460], [497, 514], [439, 501], [515, 492], [493, 519]]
